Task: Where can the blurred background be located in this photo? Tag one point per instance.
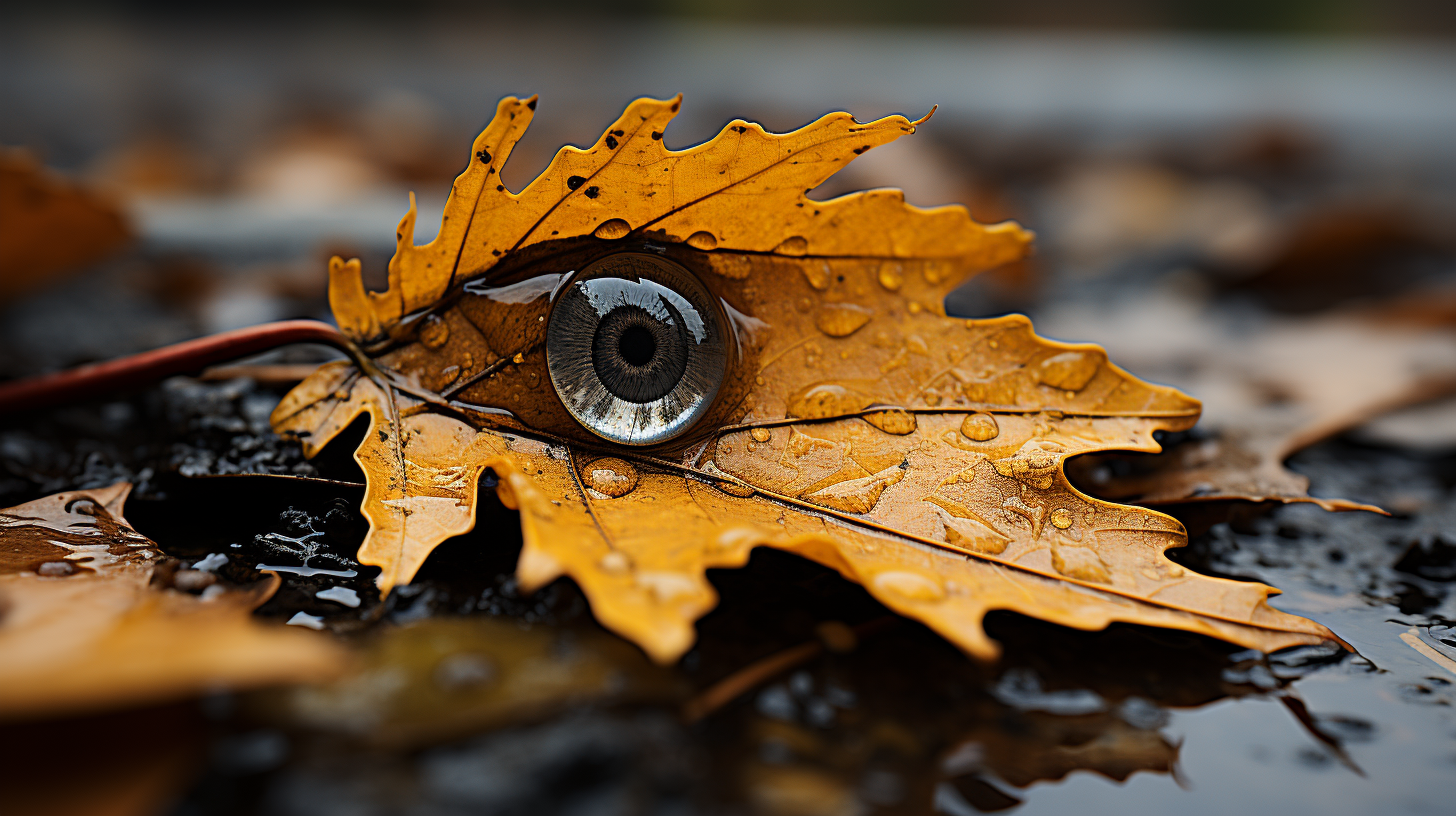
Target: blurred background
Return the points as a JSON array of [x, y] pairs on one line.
[[1254, 201]]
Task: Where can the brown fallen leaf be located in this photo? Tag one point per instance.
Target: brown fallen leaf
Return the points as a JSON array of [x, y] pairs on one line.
[[669, 358], [49, 226], [1047, 747], [85, 627], [1269, 390], [444, 678]]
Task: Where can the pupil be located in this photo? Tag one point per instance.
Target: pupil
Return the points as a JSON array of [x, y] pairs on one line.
[[637, 346]]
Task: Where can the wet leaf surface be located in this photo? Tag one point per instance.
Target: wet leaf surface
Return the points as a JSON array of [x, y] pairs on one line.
[[1269, 390], [822, 403], [884, 720], [95, 618]]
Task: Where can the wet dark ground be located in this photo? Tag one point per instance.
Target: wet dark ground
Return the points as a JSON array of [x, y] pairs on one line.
[[472, 698], [1127, 720]]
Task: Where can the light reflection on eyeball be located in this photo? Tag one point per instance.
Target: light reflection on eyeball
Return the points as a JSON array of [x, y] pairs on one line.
[[637, 348]]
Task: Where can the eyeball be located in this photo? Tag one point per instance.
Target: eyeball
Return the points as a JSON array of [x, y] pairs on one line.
[[637, 348]]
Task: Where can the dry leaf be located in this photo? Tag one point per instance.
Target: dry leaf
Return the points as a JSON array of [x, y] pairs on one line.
[[85, 627], [1268, 391], [49, 226], [670, 358]]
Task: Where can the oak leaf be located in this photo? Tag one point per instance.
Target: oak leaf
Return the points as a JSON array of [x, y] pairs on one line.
[[668, 358], [86, 627], [1270, 390]]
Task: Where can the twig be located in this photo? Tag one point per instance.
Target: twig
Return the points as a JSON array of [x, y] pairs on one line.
[[263, 373], [749, 677], [191, 356]]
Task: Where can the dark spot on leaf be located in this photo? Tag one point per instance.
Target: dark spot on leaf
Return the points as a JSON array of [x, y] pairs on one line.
[[383, 437], [841, 279], [495, 252], [531, 104], [656, 134], [575, 182], [859, 150], [592, 192], [499, 187], [611, 142], [618, 133], [483, 155], [739, 129], [675, 106]]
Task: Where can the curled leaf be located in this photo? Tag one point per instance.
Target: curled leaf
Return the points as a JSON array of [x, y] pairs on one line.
[[816, 399]]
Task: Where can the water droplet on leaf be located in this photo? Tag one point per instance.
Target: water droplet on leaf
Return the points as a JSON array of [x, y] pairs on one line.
[[842, 319], [823, 400], [613, 229], [895, 422], [435, 333], [1070, 370], [612, 477], [980, 427], [1061, 518]]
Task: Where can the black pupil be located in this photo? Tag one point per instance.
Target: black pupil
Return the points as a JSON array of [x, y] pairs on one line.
[[638, 356], [637, 346]]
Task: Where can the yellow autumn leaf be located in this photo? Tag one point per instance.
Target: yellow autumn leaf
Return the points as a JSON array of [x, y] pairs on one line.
[[87, 628], [669, 358]]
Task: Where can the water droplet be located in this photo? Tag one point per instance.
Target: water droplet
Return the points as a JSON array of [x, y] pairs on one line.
[[795, 245], [842, 319], [613, 229], [703, 240], [1070, 370], [980, 427], [891, 277], [818, 275], [933, 398], [895, 422], [518, 358], [339, 595], [435, 332], [306, 620], [758, 381], [615, 563], [914, 307], [56, 569], [1061, 518], [760, 434], [667, 586], [804, 304], [823, 400], [611, 477], [444, 378], [533, 380], [1080, 563], [909, 585]]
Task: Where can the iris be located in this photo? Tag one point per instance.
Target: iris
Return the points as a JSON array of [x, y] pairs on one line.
[[636, 348]]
